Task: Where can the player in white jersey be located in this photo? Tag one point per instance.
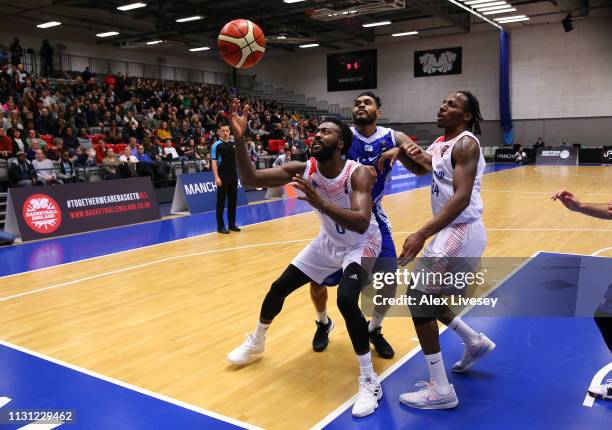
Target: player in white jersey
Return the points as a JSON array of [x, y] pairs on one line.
[[457, 165], [370, 141], [340, 191]]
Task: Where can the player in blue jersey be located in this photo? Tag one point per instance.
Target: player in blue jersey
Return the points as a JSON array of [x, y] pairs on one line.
[[370, 141]]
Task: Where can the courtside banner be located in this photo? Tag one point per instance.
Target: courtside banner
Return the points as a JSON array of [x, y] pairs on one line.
[[606, 155], [503, 155], [197, 192], [558, 156], [41, 212]]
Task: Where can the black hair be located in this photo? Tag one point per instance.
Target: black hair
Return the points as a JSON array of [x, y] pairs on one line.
[[376, 98], [346, 135], [472, 106]]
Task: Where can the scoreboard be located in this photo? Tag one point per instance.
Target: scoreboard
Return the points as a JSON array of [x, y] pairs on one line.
[[351, 70]]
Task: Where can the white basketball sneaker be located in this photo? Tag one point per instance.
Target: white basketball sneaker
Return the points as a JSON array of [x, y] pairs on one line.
[[370, 392], [428, 397], [603, 391], [473, 353], [244, 352]]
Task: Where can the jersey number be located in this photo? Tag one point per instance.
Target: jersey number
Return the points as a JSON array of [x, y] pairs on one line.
[[434, 189], [340, 229]]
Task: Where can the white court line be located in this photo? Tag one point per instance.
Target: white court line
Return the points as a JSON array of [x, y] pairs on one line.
[[597, 380], [532, 229], [596, 253], [338, 411], [212, 251], [135, 388], [197, 235], [149, 263]]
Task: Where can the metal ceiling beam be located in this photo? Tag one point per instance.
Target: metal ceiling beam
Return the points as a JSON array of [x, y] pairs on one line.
[[441, 9]]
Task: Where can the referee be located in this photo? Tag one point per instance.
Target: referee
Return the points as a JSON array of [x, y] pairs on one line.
[[223, 157]]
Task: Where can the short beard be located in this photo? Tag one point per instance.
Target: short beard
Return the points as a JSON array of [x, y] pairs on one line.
[[369, 119], [325, 153]]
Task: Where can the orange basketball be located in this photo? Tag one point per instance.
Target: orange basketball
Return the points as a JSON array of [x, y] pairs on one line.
[[241, 43]]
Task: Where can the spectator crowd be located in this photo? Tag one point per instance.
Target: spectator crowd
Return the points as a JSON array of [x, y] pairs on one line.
[[51, 129]]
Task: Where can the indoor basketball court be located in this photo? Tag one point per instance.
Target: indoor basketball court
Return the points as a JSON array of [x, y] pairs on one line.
[[128, 324]]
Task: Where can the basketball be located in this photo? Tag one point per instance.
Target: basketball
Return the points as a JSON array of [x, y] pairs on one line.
[[241, 43]]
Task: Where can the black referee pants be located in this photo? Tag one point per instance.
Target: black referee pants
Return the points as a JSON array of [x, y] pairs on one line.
[[228, 190]]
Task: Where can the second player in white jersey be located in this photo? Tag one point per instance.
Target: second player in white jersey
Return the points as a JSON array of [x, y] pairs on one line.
[[442, 178]]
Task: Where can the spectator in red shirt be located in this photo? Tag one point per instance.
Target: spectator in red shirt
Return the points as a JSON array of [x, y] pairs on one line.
[[110, 80], [6, 145]]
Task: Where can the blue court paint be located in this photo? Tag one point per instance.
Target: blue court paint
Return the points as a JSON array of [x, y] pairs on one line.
[[535, 379], [51, 252], [34, 383]]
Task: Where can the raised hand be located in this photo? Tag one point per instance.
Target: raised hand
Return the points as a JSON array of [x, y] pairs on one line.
[[238, 123]]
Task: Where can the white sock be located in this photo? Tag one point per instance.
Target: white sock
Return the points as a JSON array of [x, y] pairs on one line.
[[260, 331], [465, 332], [365, 365], [374, 323], [437, 374], [322, 317]]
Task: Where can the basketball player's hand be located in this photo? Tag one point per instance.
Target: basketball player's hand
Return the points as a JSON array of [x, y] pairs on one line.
[[390, 155], [310, 194], [218, 182], [414, 151], [412, 246], [568, 199], [238, 123]]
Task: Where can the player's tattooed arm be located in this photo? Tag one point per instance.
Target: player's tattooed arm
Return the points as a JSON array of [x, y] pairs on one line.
[[273, 177], [409, 154], [570, 201]]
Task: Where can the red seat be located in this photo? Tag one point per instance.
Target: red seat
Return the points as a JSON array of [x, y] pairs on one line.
[[119, 147], [47, 138], [110, 146], [274, 145]]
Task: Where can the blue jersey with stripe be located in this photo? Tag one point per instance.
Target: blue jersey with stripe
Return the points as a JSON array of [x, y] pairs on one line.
[[367, 151]]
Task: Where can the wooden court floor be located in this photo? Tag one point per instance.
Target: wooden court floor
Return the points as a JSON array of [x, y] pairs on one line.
[[163, 318]]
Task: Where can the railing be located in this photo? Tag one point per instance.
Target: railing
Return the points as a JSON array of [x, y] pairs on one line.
[[62, 62]]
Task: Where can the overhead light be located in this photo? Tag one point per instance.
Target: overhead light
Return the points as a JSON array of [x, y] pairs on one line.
[[512, 19], [377, 24], [281, 37], [494, 12], [154, 42], [407, 33], [189, 18], [201, 48], [473, 2], [309, 45], [353, 11], [293, 1], [485, 5], [484, 9], [475, 13], [131, 6], [503, 18], [345, 12], [49, 24], [108, 34]]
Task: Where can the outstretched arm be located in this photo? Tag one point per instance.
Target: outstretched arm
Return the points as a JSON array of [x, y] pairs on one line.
[[409, 154], [273, 177], [466, 154], [597, 210], [357, 218]]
